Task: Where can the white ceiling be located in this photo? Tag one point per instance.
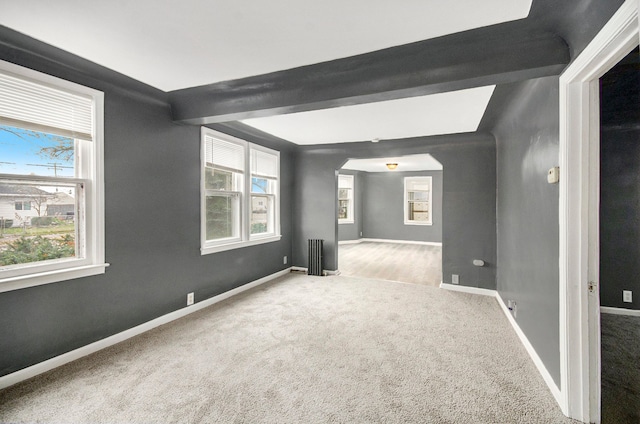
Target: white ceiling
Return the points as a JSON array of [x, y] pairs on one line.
[[175, 44], [423, 162], [444, 113]]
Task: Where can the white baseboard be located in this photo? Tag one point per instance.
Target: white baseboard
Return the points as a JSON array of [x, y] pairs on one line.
[[65, 358], [466, 289], [372, 240], [305, 270], [349, 242], [619, 311], [555, 391]]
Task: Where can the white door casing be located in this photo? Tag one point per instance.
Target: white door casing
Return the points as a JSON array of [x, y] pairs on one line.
[[579, 194]]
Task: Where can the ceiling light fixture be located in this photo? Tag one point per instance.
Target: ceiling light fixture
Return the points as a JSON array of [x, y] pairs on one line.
[[392, 166], [375, 140]]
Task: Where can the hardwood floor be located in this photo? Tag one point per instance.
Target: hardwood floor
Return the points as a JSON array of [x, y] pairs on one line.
[[408, 263]]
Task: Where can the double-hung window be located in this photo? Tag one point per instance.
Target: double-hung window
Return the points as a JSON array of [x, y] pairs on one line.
[[345, 199], [240, 193], [417, 201], [51, 179]]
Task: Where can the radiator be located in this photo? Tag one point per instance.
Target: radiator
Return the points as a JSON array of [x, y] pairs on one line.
[[315, 257]]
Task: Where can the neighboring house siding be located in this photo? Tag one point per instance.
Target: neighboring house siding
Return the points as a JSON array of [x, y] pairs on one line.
[[8, 210]]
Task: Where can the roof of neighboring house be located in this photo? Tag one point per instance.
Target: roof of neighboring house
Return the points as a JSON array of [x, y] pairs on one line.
[[61, 198], [21, 190]]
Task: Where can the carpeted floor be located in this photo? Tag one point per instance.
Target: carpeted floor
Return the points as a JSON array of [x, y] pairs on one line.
[[405, 262], [305, 350], [620, 346]]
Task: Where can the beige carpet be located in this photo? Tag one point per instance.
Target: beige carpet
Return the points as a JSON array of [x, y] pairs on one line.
[[405, 262], [305, 350]]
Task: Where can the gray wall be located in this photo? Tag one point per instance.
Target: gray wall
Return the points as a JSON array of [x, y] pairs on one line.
[[468, 199], [383, 213], [620, 217], [525, 122], [528, 244], [152, 176], [353, 231]]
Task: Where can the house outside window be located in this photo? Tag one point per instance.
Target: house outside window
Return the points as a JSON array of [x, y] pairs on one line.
[[240, 193], [417, 201], [51, 143], [345, 199]]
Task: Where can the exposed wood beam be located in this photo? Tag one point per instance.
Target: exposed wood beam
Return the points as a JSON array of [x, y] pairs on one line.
[[493, 55]]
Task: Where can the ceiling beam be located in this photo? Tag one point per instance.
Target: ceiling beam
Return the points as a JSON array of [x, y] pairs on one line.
[[492, 55]]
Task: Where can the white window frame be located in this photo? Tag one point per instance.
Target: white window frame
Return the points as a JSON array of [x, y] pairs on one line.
[[90, 169], [350, 181], [245, 238], [408, 221]]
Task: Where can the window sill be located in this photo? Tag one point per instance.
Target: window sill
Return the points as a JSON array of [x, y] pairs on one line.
[[206, 250], [38, 279], [417, 223]]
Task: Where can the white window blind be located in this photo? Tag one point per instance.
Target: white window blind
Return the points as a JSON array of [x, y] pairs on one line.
[[345, 181], [224, 155], [418, 185], [264, 164], [39, 107]]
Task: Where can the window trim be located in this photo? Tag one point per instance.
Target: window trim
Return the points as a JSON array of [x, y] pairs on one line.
[[408, 221], [246, 239], [93, 263], [350, 219]]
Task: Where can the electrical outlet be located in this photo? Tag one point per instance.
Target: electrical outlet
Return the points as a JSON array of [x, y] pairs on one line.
[[190, 299], [360, 233], [284, 260], [512, 306], [627, 296], [455, 279]]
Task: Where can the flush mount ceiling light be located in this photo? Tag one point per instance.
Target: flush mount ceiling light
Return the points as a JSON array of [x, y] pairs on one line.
[[392, 166]]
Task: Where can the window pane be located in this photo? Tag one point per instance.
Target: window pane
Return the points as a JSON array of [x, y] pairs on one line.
[[343, 193], [259, 185], [216, 179], [418, 195], [260, 214], [44, 228], [27, 152], [343, 209], [221, 217], [419, 211]]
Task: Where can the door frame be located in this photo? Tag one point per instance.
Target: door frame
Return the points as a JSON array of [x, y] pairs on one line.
[[579, 192]]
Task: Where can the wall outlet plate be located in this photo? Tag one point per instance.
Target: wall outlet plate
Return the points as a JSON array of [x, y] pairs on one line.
[[284, 260], [553, 176], [627, 296], [455, 279], [190, 298]]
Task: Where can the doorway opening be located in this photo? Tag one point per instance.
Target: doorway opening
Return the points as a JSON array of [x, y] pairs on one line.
[[619, 236], [389, 219]]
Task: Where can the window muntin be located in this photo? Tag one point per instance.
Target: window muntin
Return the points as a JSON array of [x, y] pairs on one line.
[[417, 201], [240, 193], [345, 199], [51, 149]]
